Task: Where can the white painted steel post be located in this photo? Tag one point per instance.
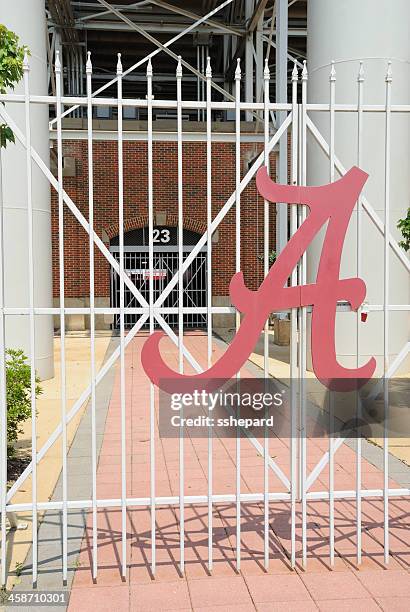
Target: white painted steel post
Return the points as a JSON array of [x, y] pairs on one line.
[[89, 70], [63, 386], [123, 406], [32, 341], [208, 74], [180, 312], [302, 323], [332, 96], [386, 258], [237, 269], [151, 311], [294, 314], [281, 87], [266, 76], [249, 60], [360, 80]]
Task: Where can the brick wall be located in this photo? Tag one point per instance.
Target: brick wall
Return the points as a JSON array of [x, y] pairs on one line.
[[165, 201]]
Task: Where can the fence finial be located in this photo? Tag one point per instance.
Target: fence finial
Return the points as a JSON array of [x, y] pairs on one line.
[[266, 72], [179, 67], [295, 71], [304, 71], [119, 64], [57, 64], [238, 72], [208, 71], [26, 65], [389, 72], [360, 76], [149, 68], [88, 66], [332, 76]]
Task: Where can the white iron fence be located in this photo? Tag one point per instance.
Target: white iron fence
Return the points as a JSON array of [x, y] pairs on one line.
[[150, 309]]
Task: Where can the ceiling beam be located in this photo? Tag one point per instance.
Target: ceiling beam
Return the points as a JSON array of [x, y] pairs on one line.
[[257, 13], [180, 11], [63, 17], [157, 43]]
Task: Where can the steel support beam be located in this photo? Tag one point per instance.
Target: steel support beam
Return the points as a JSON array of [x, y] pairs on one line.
[[257, 14], [157, 43], [282, 96], [180, 11], [249, 58]]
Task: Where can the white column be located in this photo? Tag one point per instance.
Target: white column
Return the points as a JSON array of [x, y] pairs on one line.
[[28, 21], [249, 61], [282, 96], [373, 31]]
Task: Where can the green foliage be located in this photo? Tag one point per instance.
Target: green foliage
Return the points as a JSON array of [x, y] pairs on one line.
[[11, 71], [18, 388], [404, 226]]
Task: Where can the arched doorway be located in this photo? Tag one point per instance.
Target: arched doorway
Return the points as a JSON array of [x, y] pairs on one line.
[[166, 262]]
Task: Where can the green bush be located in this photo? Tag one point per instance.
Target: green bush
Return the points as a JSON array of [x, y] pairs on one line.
[[404, 227], [18, 389], [11, 71]]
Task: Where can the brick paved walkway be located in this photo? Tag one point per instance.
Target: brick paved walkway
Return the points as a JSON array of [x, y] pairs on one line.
[[372, 587]]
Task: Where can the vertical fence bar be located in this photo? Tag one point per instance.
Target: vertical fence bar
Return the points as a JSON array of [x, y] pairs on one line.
[[89, 70], [180, 312], [208, 75], [123, 407], [266, 76], [237, 269], [151, 311], [59, 109], [302, 323], [3, 398], [332, 82], [293, 342], [360, 79], [386, 309], [26, 72]]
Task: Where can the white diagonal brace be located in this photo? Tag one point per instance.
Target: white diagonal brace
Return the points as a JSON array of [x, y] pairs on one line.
[[80, 218], [156, 42], [152, 54], [182, 11], [76, 407], [366, 205], [325, 459], [78, 215]]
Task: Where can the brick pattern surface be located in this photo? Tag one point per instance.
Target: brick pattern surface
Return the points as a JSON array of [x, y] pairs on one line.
[[165, 190], [371, 586]]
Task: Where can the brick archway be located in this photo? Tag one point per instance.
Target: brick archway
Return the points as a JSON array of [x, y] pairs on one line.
[[142, 221]]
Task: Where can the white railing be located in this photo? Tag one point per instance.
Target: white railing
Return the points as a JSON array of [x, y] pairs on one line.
[[297, 484]]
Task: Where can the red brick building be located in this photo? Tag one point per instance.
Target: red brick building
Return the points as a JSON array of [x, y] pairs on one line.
[[165, 195]]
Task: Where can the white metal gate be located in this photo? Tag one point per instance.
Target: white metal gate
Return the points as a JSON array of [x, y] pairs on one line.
[[152, 309]]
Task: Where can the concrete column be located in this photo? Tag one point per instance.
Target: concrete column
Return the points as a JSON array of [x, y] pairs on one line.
[[346, 32], [28, 21], [282, 96], [249, 61]]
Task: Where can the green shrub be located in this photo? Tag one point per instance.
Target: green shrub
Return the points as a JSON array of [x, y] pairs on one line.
[[18, 388], [11, 71], [404, 227]]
